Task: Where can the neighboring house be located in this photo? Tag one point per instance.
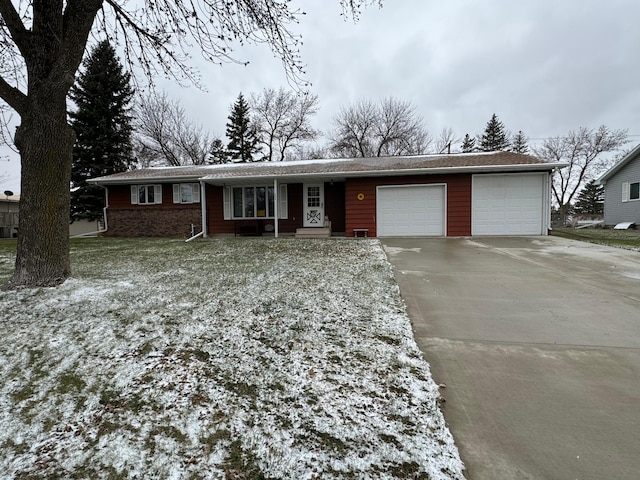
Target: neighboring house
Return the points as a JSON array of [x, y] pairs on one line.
[[497, 193], [81, 228], [622, 190], [9, 207]]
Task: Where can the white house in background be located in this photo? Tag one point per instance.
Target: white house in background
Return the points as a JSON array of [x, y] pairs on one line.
[[9, 212], [622, 190], [9, 206]]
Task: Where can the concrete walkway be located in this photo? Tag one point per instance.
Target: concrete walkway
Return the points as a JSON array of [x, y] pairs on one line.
[[538, 342]]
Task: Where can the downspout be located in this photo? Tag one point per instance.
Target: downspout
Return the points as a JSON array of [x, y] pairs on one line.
[[547, 210], [203, 201], [104, 216], [203, 206]]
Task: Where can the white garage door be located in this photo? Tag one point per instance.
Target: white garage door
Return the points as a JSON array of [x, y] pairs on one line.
[[416, 210], [508, 204]]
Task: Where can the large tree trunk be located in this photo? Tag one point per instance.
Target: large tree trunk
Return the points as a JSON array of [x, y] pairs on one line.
[[45, 141]]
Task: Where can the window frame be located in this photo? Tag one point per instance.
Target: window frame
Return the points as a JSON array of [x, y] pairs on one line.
[[243, 196], [177, 189], [631, 198], [135, 192]]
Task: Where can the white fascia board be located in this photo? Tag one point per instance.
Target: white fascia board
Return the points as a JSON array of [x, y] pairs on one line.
[[389, 173], [147, 180], [613, 170]]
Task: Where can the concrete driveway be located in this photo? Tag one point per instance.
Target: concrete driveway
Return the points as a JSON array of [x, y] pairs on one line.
[[538, 342]]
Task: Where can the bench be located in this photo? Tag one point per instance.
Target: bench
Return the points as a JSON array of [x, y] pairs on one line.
[[244, 229], [358, 231]]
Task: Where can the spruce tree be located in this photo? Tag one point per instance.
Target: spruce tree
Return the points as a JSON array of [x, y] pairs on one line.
[[219, 153], [102, 123], [519, 143], [468, 144], [494, 137], [590, 199], [243, 137]]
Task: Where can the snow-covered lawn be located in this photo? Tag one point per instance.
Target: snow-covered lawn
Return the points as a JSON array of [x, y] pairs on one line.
[[225, 359]]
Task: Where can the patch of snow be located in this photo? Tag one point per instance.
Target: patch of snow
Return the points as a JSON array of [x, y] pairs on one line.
[[289, 359]]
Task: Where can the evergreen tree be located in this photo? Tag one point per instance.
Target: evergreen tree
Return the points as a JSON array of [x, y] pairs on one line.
[[590, 199], [468, 144], [494, 137], [102, 124], [242, 134], [519, 143], [219, 154]]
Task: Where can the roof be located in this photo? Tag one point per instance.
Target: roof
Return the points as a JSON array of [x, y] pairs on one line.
[[12, 199], [633, 154], [343, 168]]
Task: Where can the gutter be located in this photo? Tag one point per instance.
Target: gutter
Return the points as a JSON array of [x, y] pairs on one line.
[[104, 216], [212, 178], [539, 167]]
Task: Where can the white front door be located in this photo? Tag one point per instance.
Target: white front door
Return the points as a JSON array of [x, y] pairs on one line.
[[313, 205]]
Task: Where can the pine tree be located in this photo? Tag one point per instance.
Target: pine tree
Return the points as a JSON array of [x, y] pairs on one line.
[[102, 124], [519, 143], [468, 144], [243, 137], [218, 152], [494, 137], [590, 199]]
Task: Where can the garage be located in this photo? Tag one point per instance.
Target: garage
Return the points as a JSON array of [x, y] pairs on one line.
[[508, 204], [410, 210]]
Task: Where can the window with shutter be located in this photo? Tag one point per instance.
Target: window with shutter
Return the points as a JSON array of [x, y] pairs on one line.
[[625, 192]]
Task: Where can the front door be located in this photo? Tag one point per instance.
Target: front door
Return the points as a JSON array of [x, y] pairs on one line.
[[313, 205]]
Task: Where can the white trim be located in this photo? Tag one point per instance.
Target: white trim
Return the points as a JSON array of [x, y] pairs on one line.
[[255, 202], [276, 200], [625, 192], [227, 179], [203, 208], [226, 201], [157, 194], [445, 207], [305, 204], [176, 193], [284, 202], [135, 194]]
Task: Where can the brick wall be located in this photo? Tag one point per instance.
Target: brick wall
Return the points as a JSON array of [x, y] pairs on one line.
[[154, 222]]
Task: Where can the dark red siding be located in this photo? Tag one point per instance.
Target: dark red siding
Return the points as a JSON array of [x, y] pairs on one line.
[[360, 201], [334, 196], [217, 225]]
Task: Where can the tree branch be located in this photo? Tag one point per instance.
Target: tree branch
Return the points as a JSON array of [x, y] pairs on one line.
[[13, 22], [14, 97]]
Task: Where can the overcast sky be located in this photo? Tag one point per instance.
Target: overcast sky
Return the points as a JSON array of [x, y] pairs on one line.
[[543, 66]]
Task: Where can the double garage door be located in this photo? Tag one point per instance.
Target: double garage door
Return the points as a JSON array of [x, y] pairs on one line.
[[500, 205]]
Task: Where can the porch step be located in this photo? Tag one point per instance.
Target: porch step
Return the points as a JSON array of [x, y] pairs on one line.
[[324, 232]]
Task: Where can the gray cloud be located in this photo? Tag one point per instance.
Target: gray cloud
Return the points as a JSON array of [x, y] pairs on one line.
[[545, 67]]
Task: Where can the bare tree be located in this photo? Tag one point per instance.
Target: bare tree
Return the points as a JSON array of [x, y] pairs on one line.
[[444, 141], [367, 129], [41, 46], [167, 136], [583, 150], [282, 119]]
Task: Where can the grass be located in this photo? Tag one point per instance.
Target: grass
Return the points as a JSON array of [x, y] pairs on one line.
[[629, 239], [221, 359]]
